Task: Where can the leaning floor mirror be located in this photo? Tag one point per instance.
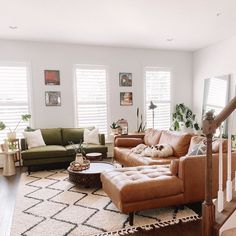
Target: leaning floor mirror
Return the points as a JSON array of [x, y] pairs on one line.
[[216, 96]]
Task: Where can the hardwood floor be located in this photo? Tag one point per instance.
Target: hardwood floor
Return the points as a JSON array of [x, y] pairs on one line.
[[8, 190]]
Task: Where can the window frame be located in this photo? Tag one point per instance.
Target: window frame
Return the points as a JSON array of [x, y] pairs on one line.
[[27, 65], [87, 66], [156, 68]]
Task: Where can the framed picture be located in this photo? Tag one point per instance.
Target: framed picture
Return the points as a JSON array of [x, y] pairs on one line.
[[52, 77], [126, 98], [125, 79], [53, 98]]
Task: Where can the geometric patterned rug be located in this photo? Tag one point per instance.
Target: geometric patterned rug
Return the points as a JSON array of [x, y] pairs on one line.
[[48, 204]]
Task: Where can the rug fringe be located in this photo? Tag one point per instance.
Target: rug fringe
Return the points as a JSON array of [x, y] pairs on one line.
[[156, 225]]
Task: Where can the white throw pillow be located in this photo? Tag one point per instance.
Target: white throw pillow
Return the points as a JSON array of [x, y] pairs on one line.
[[91, 136], [34, 139]]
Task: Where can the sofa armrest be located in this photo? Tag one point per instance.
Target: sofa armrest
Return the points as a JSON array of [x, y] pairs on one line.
[[127, 142], [132, 135], [192, 172], [23, 144]]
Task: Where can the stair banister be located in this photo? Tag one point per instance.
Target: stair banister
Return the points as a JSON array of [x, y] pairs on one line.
[[229, 184], [209, 126], [220, 195]]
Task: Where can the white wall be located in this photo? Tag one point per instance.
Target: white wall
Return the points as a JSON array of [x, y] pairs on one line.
[[216, 60], [63, 56]]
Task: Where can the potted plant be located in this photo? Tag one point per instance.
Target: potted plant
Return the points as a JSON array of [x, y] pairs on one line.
[[79, 152], [114, 127], [12, 134], [184, 119]]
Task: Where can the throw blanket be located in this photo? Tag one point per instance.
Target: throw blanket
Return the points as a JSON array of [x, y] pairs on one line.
[[158, 150]]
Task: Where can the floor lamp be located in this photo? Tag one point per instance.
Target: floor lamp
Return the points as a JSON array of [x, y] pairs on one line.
[[152, 107]]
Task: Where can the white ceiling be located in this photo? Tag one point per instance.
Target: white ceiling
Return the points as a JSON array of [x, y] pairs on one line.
[[192, 24]]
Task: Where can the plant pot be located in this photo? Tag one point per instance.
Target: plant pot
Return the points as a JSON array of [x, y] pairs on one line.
[[114, 131], [11, 135], [79, 158]]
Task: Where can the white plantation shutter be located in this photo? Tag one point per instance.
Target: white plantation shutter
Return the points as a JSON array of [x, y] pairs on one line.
[[91, 94], [13, 97], [216, 96], [158, 90]]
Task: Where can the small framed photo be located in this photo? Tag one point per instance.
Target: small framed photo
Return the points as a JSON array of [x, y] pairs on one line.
[[125, 79], [52, 77], [126, 98], [53, 98]]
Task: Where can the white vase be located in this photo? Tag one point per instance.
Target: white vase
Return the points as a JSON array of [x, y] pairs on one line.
[[184, 129], [11, 135], [79, 158]]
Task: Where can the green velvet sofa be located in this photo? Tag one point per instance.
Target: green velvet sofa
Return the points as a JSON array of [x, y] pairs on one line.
[[58, 149]]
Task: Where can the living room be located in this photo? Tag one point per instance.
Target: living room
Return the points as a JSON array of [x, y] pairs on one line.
[[190, 40]]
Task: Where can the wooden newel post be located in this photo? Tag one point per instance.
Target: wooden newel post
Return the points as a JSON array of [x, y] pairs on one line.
[[208, 208]]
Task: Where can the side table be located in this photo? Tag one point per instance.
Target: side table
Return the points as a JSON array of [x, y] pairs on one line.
[[9, 164]]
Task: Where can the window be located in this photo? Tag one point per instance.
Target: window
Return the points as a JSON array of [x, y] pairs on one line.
[[13, 96], [91, 97], [216, 94], [158, 90]]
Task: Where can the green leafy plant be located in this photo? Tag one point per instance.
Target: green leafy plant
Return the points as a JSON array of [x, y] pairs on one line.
[[78, 148], [141, 125], [114, 125], [183, 115], [24, 118], [2, 125]]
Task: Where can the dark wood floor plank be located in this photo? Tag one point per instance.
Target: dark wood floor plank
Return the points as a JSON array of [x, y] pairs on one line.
[[8, 190]]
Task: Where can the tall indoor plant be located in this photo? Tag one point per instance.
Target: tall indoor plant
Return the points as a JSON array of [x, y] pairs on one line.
[[184, 119]]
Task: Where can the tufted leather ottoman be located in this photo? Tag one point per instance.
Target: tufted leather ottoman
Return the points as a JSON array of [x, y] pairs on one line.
[[144, 187]]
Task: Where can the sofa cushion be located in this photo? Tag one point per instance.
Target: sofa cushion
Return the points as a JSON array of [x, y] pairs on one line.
[[126, 157], [44, 152], [179, 141], [76, 135], [87, 148], [215, 144], [152, 137], [143, 183], [52, 136], [91, 136], [198, 149]]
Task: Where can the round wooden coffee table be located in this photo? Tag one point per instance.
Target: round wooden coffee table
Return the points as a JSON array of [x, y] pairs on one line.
[[91, 176]]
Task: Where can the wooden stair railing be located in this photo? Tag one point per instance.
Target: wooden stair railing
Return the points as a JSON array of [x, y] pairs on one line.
[[210, 124]]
